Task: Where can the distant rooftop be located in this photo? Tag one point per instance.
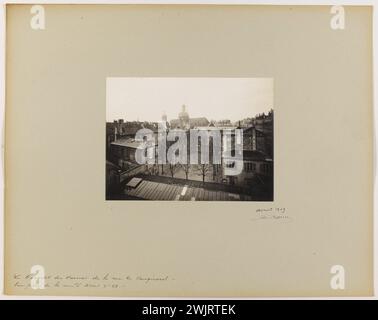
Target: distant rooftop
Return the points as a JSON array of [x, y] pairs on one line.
[[215, 128]]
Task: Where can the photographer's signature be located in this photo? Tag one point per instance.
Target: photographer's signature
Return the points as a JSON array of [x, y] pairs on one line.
[[272, 213]]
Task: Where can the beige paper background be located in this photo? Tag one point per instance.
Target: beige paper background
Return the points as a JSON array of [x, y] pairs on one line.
[[56, 215]]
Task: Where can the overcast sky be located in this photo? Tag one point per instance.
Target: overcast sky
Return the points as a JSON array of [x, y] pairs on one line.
[[146, 99]]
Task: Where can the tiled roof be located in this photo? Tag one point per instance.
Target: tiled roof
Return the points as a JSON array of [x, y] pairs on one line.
[[150, 190], [133, 183]]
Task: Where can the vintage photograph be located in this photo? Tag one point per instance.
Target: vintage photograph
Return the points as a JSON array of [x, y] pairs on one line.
[[193, 139], [230, 152]]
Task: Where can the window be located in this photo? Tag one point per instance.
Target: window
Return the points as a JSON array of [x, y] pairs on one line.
[[266, 168], [250, 166], [230, 164]]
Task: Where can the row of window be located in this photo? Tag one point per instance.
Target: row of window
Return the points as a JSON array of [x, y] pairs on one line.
[[266, 168], [252, 167]]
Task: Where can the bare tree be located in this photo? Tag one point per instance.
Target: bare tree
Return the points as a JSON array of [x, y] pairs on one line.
[[172, 169], [217, 172], [186, 168], [151, 169], [203, 170]]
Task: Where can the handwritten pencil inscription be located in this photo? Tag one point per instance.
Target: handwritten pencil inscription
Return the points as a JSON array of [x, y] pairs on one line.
[[103, 281], [272, 213]]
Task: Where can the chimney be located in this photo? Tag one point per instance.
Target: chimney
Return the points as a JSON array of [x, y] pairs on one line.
[[115, 133]]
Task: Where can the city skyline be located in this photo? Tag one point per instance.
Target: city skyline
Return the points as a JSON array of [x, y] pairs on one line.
[[168, 119], [216, 99]]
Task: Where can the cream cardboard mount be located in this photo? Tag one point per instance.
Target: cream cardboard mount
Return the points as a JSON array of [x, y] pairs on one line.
[[62, 235]]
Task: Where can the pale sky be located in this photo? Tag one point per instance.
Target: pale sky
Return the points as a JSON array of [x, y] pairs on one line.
[[146, 99]]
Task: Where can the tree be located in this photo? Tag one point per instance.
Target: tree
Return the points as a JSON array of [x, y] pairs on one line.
[[217, 172], [172, 169], [186, 168], [151, 169], [203, 170]]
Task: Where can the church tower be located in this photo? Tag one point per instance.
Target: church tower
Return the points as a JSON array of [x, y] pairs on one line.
[[164, 117], [164, 121], [184, 118]]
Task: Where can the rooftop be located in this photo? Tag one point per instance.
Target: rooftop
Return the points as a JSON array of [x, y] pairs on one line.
[[151, 190], [130, 143], [254, 155]]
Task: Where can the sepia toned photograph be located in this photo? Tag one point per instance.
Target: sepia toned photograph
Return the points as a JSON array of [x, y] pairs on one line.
[[188, 151], [194, 139]]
